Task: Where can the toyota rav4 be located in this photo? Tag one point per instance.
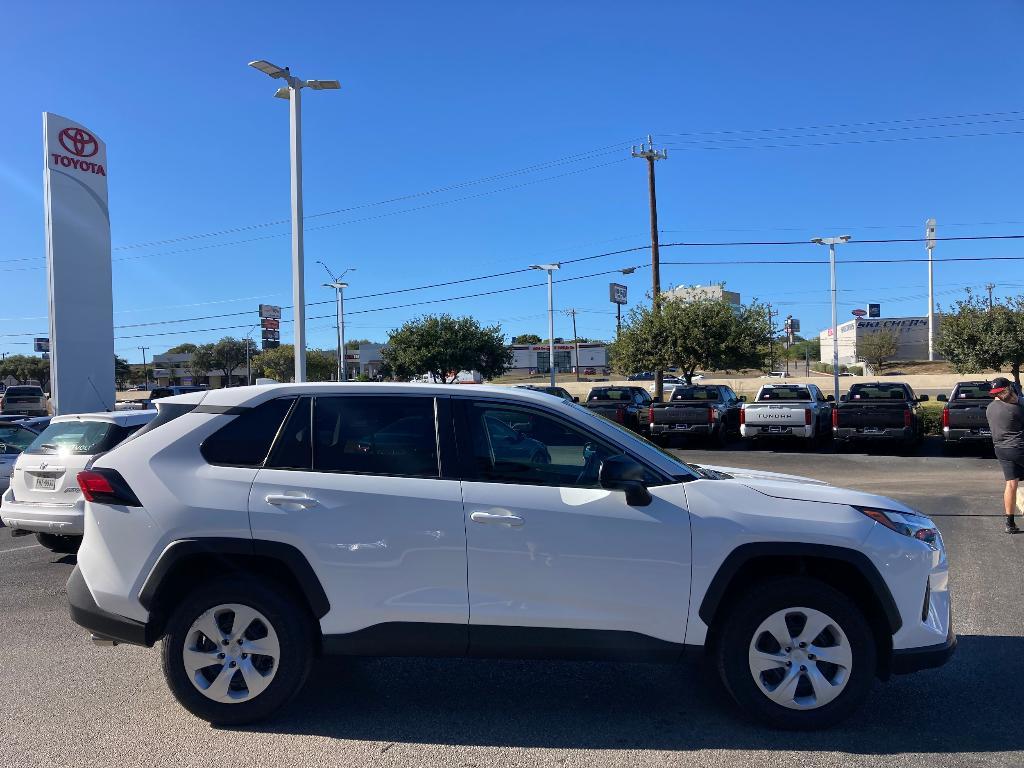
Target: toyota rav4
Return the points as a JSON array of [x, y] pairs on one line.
[[250, 530]]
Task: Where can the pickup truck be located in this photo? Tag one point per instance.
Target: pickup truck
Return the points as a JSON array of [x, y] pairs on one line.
[[879, 412], [787, 410], [963, 418], [711, 411], [624, 405]]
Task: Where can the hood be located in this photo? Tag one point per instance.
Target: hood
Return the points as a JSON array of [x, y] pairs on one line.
[[797, 488]]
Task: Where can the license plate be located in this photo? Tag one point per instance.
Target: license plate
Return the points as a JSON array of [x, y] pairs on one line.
[[774, 429], [985, 432], [872, 430], [682, 426], [46, 483]]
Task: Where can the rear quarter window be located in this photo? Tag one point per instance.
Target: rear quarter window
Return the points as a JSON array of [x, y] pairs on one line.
[[245, 440]]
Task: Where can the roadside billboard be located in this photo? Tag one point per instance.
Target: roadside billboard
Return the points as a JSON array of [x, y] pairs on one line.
[[78, 267], [617, 293]]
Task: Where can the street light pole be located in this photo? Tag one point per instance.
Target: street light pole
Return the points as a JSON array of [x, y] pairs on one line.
[[248, 355], [550, 268], [929, 241], [339, 299], [293, 92], [831, 243]]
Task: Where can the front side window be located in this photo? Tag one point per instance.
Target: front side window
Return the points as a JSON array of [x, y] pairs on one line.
[[375, 436], [509, 444], [14, 439]]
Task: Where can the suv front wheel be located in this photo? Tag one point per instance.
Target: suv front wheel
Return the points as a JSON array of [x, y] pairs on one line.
[[797, 653], [237, 651]]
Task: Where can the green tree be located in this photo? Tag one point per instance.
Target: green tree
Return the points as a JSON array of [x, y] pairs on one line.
[[228, 354], [353, 344], [704, 334], [975, 338], [181, 349], [443, 345], [26, 368], [277, 363], [321, 365], [201, 362], [526, 338], [122, 372], [877, 348]]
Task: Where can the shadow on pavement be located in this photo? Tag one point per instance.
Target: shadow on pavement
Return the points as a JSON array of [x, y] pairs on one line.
[[969, 706]]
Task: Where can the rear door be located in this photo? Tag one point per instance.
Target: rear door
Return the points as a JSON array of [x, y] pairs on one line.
[[381, 528]]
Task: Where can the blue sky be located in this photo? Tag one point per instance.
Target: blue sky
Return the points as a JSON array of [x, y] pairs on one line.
[[439, 94]]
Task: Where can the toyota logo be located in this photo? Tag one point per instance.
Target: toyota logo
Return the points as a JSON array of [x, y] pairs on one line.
[[79, 141]]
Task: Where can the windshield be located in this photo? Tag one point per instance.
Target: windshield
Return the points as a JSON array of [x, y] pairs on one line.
[[771, 394], [630, 437], [878, 392], [14, 439], [77, 438], [695, 393]]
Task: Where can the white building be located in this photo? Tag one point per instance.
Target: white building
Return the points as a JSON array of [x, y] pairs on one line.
[[537, 357], [688, 293], [911, 337]]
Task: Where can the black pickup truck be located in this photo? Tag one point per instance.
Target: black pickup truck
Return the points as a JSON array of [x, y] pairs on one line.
[[625, 405], [711, 411], [878, 412], [963, 418]]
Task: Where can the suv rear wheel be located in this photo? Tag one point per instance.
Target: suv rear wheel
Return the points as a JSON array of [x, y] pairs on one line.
[[236, 651], [797, 654]]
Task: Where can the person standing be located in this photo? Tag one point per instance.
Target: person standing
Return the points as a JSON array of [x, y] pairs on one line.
[[1006, 422]]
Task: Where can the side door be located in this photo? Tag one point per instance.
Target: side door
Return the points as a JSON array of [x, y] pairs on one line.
[[380, 527], [549, 549]]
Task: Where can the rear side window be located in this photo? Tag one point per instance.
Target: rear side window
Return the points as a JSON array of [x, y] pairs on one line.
[[375, 436], [245, 440], [78, 438]]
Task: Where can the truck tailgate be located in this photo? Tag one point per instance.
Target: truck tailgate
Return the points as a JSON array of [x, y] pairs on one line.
[[771, 415], [872, 416], [969, 415], [681, 414]]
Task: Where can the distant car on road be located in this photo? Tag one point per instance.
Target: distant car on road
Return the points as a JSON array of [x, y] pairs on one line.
[[879, 412], [787, 410], [624, 405], [25, 400], [776, 375], [963, 418], [711, 411], [43, 496]]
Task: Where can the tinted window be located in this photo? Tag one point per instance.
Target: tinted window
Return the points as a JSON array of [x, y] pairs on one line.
[[695, 393], [980, 391], [375, 436], [516, 445], [294, 448], [878, 392], [78, 438], [14, 439], [246, 439], [783, 393], [24, 392], [611, 394]]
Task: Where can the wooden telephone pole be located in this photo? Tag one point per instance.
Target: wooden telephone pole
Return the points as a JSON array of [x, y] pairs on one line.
[[650, 154]]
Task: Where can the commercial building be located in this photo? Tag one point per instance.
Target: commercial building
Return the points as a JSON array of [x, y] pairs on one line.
[[536, 358], [911, 337], [688, 293]]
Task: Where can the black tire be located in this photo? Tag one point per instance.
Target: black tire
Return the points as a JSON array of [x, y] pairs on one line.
[[743, 620], [293, 625], [65, 545]]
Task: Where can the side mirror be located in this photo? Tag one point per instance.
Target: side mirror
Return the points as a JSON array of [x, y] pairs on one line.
[[621, 473], [843, 398], [942, 399], [830, 398], [923, 399], [743, 398], [575, 399]]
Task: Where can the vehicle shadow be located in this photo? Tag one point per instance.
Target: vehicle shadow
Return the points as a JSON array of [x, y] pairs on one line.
[[969, 706]]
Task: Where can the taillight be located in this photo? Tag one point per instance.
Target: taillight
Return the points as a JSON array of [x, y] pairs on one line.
[[906, 418], [835, 417], [712, 415], [620, 415], [945, 417], [105, 486], [650, 414], [743, 415], [807, 417]]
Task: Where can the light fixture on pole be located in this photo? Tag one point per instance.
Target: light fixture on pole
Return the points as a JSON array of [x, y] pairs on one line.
[[618, 307], [929, 242], [339, 296], [292, 92], [831, 242], [549, 268]]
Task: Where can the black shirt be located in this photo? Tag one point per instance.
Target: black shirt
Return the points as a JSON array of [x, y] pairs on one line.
[[1007, 424]]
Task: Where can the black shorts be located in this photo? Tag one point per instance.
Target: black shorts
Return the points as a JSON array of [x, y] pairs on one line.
[[1012, 462]]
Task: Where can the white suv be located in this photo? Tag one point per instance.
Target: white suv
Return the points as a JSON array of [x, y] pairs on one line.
[[252, 529], [44, 497]]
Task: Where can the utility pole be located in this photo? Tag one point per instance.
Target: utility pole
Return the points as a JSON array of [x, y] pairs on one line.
[[771, 339], [990, 287], [550, 268], [929, 241], [575, 340], [145, 368], [339, 300], [831, 242], [650, 154]]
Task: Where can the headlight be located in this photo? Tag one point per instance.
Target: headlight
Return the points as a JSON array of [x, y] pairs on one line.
[[908, 523]]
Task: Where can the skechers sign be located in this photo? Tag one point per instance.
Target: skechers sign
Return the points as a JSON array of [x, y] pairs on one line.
[[82, 144]]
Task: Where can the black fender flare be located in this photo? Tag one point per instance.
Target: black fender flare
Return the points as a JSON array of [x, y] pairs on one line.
[[286, 554], [746, 552]]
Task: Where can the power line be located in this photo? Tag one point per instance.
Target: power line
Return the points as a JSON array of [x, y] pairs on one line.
[[841, 143]]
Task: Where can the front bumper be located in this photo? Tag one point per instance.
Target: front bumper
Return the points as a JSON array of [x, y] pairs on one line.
[[62, 520], [86, 613], [907, 660]]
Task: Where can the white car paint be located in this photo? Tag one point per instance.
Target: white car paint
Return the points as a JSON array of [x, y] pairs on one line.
[[390, 549]]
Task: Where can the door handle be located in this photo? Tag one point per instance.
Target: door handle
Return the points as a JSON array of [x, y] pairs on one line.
[[513, 521], [281, 499]]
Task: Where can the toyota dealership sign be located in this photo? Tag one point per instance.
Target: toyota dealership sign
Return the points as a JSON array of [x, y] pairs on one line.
[[78, 267]]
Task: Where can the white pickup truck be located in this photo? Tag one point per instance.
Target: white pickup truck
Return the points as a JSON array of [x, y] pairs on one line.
[[787, 410]]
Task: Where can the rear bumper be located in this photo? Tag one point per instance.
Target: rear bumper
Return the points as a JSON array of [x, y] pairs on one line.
[[907, 660], [954, 435], [42, 518], [684, 429], [87, 614], [904, 434], [765, 430]]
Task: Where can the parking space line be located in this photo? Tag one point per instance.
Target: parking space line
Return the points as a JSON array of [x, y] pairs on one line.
[[17, 549]]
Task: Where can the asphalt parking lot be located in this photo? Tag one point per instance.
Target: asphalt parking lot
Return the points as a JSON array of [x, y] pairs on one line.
[[65, 702]]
